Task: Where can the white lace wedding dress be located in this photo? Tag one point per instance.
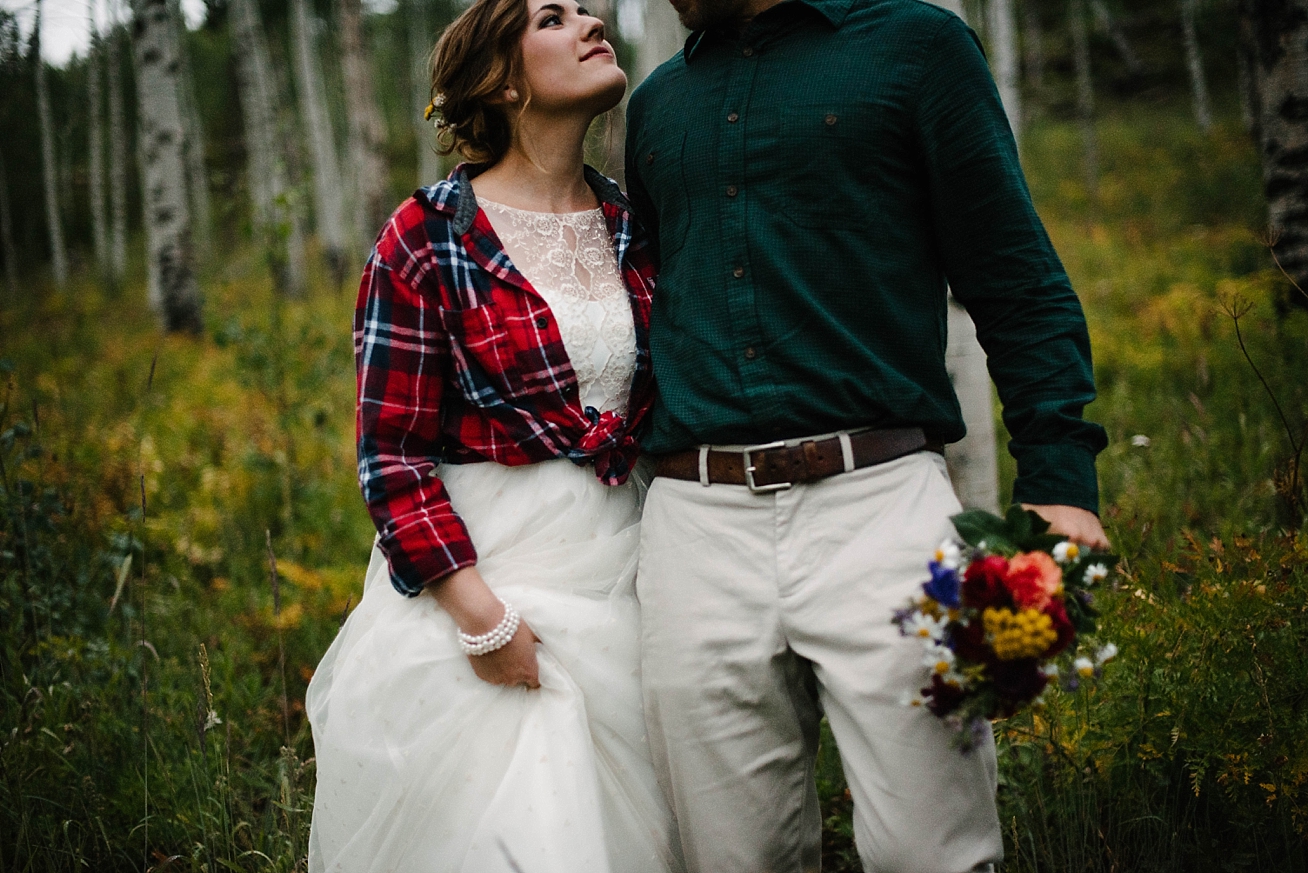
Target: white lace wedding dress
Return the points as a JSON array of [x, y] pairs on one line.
[[423, 767]]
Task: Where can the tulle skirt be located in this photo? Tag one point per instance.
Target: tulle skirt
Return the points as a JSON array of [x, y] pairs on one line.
[[424, 768]]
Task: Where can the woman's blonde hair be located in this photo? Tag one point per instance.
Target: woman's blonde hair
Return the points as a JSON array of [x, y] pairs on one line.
[[476, 57]]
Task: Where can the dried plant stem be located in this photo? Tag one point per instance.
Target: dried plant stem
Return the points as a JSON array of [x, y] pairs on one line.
[[277, 622], [1286, 274]]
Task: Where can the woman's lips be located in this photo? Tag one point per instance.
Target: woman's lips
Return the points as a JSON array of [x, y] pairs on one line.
[[598, 50]]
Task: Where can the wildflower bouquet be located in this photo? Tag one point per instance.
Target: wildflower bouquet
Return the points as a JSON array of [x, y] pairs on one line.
[[1005, 612]]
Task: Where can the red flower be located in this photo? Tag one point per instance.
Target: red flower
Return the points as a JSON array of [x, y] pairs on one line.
[[943, 698], [1017, 682], [983, 583], [1062, 624], [1033, 578]]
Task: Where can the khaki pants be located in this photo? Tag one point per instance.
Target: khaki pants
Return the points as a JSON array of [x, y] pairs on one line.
[[762, 611]]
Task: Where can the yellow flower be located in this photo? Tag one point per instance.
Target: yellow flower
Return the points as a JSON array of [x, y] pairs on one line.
[[1026, 634]]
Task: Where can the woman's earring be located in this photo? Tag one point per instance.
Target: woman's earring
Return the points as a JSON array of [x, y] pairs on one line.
[[513, 95]]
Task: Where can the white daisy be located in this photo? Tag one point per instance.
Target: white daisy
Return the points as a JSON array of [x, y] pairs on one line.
[[1050, 670], [1084, 666], [939, 658], [948, 554], [1095, 573], [926, 627], [1106, 654], [912, 698], [1066, 551]]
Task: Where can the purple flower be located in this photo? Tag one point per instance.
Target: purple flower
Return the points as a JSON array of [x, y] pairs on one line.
[[944, 585]]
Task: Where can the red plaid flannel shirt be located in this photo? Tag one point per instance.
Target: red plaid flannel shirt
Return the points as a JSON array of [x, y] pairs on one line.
[[459, 360]]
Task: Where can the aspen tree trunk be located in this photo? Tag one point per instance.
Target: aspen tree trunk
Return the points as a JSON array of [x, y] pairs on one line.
[[662, 38], [973, 461], [1275, 36], [1109, 27], [367, 131], [329, 205], [1033, 46], [197, 176], [421, 42], [117, 159], [1245, 83], [95, 148], [174, 294], [7, 234], [50, 170], [1085, 94], [266, 172], [1003, 48], [1203, 112]]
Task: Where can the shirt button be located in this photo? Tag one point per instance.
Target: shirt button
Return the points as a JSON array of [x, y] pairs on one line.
[[733, 117], [649, 158], [732, 191], [831, 119], [542, 322], [739, 272], [748, 52], [750, 354]]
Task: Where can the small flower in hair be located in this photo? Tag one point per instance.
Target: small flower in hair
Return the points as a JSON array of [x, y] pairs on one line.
[[434, 107]]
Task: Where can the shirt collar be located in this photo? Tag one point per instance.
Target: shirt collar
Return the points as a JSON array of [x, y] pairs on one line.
[[461, 203], [834, 11]]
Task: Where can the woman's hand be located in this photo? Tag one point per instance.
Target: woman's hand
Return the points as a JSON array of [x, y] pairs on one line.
[[476, 610]]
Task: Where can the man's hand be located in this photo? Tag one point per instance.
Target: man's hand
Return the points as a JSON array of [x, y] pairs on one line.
[[1077, 524]]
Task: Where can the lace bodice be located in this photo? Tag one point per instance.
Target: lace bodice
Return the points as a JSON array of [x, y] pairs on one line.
[[568, 258]]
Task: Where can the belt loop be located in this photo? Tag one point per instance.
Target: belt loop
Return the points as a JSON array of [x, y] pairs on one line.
[[846, 450], [703, 466]]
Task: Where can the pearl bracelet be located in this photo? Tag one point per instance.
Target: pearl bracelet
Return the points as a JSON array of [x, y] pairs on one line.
[[496, 638]]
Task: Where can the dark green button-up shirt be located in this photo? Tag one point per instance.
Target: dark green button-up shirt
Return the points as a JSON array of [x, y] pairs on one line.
[[813, 184]]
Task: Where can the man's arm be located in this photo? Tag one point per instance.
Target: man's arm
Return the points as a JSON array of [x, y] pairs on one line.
[[1003, 269]]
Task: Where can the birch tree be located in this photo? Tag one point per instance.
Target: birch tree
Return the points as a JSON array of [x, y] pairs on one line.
[[329, 205], [1110, 28], [117, 156], [1033, 50], [7, 234], [367, 131], [1085, 93], [266, 171], [973, 460], [1203, 112], [95, 146], [197, 177], [1002, 25], [662, 36], [49, 169], [421, 42], [173, 291], [1275, 37]]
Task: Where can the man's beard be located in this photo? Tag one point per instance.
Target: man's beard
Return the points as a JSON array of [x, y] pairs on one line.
[[708, 14]]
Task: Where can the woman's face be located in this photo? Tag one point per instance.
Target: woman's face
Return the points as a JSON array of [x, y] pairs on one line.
[[567, 63]]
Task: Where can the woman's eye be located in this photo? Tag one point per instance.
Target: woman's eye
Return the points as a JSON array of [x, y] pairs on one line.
[[583, 12], [550, 20]]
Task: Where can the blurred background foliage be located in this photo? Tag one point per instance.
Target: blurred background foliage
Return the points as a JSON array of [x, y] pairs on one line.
[[152, 665]]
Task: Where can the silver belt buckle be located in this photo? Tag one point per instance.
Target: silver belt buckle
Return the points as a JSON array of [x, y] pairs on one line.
[[750, 468]]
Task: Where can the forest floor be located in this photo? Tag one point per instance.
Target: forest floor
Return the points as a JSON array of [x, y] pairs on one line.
[[152, 667]]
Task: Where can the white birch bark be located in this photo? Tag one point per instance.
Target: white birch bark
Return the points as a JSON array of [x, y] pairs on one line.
[[7, 234], [266, 171], [49, 169], [367, 131], [973, 461], [95, 147], [421, 42], [117, 158], [662, 37], [1108, 26], [1085, 93], [1003, 51], [173, 291], [328, 202], [197, 176], [1194, 61]]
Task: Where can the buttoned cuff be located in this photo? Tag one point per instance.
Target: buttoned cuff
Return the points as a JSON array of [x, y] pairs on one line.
[[1056, 475]]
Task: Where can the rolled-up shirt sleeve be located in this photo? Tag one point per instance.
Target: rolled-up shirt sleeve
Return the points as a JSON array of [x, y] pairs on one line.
[[402, 361], [1002, 267]]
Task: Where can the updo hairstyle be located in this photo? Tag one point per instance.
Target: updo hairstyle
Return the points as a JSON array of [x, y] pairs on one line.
[[477, 56]]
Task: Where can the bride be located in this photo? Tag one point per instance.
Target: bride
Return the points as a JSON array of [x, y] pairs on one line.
[[480, 710]]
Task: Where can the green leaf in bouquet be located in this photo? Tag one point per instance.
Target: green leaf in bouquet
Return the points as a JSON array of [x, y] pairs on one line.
[[1081, 614], [976, 526]]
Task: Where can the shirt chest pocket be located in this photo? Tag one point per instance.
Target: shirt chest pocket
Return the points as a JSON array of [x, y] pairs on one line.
[[481, 350], [832, 145], [660, 163]]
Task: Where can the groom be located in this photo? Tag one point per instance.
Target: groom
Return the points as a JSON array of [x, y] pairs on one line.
[[814, 173]]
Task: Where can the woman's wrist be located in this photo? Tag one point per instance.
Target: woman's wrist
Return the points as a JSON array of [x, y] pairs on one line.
[[469, 601]]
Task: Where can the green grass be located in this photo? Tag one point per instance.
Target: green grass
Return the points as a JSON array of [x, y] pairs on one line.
[[1190, 756]]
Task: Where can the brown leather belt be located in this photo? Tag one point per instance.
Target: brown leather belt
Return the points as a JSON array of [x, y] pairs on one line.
[[776, 466]]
